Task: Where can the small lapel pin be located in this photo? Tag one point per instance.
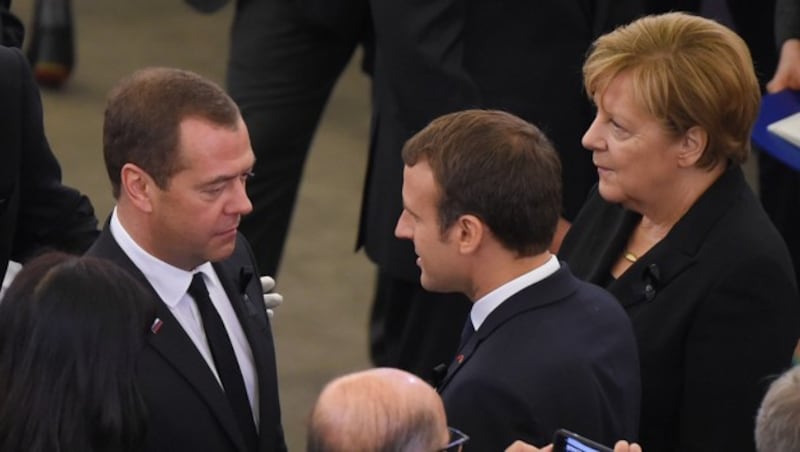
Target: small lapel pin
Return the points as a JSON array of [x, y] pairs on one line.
[[156, 325], [460, 358]]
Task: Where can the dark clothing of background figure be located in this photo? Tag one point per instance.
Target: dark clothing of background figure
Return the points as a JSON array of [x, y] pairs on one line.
[[780, 184], [285, 57], [714, 306], [12, 31], [37, 212], [435, 57], [187, 408], [787, 21], [558, 354]]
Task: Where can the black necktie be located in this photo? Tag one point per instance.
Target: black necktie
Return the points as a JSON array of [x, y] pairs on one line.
[[466, 333], [224, 360]]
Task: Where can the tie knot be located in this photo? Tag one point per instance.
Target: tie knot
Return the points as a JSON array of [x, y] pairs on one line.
[[198, 289]]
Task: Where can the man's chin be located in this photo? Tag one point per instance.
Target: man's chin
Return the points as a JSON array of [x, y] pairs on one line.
[[221, 252], [428, 285]]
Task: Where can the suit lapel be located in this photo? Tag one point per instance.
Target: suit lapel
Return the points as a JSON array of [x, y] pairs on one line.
[[551, 289], [676, 253], [243, 288], [174, 345]]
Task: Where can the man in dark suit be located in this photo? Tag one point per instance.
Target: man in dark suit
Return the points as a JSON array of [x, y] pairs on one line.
[[435, 57], [178, 156], [37, 212], [541, 350]]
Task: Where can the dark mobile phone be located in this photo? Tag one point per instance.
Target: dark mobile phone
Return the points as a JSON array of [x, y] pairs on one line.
[[566, 441]]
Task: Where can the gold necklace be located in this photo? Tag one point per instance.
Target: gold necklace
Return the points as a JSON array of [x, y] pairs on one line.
[[630, 257]]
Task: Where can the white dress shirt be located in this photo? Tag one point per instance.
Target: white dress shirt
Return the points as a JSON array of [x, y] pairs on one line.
[[489, 302], [171, 284]]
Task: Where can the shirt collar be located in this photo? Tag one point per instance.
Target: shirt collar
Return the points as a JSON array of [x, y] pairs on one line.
[[169, 282], [489, 302]]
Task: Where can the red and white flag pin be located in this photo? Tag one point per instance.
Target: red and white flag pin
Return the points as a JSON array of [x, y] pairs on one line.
[[157, 323], [460, 358]]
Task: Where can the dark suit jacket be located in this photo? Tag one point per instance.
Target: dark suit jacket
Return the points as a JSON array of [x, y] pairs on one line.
[[787, 21], [37, 212], [714, 306], [188, 411], [558, 354], [345, 17], [12, 31], [438, 56]]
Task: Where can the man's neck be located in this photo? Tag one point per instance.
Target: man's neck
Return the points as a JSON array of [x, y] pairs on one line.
[[136, 227], [493, 273]]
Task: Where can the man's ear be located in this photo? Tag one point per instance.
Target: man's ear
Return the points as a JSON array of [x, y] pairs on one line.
[[693, 145], [470, 232], [137, 186]]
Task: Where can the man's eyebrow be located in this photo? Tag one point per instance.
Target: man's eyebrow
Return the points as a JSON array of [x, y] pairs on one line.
[[219, 179], [225, 178]]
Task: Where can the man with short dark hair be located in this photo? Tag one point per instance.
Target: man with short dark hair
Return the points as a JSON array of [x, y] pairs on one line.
[[541, 350], [178, 156]]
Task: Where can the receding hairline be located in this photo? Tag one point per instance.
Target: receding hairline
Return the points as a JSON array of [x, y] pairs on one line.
[[350, 402]]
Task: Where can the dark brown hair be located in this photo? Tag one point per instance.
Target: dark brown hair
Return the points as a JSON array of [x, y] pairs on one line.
[[71, 330], [143, 116], [495, 166]]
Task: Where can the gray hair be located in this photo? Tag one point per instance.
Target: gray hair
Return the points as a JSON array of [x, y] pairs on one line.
[[778, 420]]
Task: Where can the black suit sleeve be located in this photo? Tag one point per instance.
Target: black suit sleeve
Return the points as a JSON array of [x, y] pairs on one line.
[[51, 215], [737, 327], [11, 29], [787, 20], [490, 413]]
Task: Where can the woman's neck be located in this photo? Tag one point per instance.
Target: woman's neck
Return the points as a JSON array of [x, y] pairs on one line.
[[661, 213]]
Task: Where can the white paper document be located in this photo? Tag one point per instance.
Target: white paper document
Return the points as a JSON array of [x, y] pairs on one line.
[[787, 128]]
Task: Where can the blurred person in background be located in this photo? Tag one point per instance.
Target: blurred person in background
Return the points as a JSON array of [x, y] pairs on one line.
[[71, 330], [37, 211]]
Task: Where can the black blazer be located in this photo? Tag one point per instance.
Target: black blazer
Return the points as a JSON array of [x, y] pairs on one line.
[[558, 354], [439, 56], [187, 409], [714, 306], [37, 212]]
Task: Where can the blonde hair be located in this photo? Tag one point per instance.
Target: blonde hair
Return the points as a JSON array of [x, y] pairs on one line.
[[686, 71]]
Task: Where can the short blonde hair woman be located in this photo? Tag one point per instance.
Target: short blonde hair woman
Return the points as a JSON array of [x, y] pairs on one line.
[[676, 234]]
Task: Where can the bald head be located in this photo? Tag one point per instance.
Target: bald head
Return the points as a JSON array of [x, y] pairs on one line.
[[377, 410]]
